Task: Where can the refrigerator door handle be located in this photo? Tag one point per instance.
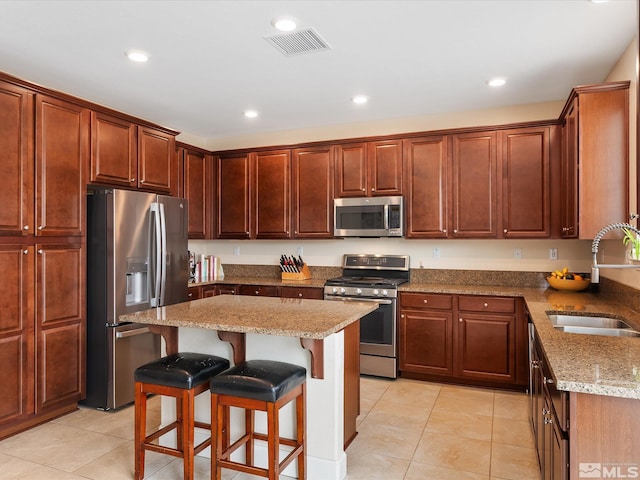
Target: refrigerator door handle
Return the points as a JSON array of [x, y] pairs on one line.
[[163, 254], [132, 333], [156, 241]]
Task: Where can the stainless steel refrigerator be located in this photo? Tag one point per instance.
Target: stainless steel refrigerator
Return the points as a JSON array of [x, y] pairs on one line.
[[137, 259]]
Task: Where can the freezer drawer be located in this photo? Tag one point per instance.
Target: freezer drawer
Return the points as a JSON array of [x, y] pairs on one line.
[[133, 345]]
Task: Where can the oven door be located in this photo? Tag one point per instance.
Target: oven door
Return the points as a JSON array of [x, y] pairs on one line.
[[378, 328]]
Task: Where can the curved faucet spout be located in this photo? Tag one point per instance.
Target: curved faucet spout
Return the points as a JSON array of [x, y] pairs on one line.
[[595, 268]]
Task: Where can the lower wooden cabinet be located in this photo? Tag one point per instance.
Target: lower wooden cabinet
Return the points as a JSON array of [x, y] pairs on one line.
[[469, 338], [202, 291], [311, 293], [259, 290], [42, 333]]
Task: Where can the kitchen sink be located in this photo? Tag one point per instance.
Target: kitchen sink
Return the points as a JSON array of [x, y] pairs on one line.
[[586, 325]]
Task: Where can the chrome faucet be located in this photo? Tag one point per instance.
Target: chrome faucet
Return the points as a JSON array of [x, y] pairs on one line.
[[595, 268]]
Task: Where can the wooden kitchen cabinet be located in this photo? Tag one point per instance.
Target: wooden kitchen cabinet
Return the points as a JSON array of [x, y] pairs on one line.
[[474, 187], [426, 186], [197, 187], [468, 338], [426, 333], [114, 154], [259, 290], [157, 171], [312, 192], [369, 169], [311, 293], [272, 194], [595, 178], [42, 332], [526, 196], [233, 187]]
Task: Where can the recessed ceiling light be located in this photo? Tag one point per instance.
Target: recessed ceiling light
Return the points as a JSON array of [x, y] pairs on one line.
[[359, 99], [137, 56], [284, 24], [250, 113], [496, 82]]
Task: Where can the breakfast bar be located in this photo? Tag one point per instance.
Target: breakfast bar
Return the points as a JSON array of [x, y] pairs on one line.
[[321, 336]]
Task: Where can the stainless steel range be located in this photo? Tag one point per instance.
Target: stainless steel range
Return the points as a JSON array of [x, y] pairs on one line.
[[373, 278]]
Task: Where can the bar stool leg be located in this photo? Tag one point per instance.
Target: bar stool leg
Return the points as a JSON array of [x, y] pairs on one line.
[[249, 424], [301, 431], [140, 432], [217, 433], [187, 438], [273, 441]]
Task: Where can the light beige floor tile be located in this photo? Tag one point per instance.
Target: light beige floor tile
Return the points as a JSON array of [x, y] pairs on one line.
[[201, 471], [513, 432], [398, 414], [514, 463], [385, 440], [469, 400], [513, 405], [411, 392], [371, 389], [365, 466], [460, 424], [17, 469], [454, 452], [421, 471], [59, 446]]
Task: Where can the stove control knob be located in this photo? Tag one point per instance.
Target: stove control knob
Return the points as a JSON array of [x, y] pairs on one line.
[[385, 293], [376, 292], [343, 290], [359, 291], [334, 290]]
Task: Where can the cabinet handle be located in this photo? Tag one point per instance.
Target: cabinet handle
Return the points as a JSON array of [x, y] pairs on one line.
[[132, 180], [455, 230], [486, 304], [190, 295], [363, 190], [257, 292], [426, 301], [373, 189], [25, 252], [505, 230], [41, 227], [460, 320], [295, 232], [300, 295], [141, 181], [40, 251], [444, 231], [26, 227]]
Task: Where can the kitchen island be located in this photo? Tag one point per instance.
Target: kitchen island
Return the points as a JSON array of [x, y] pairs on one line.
[[321, 336]]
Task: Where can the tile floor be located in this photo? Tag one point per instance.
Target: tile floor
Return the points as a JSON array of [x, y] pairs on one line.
[[409, 430]]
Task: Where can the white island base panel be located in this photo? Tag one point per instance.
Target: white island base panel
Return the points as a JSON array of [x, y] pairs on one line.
[[326, 459]]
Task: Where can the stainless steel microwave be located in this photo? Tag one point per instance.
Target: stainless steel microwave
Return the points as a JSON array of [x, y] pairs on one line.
[[368, 217]]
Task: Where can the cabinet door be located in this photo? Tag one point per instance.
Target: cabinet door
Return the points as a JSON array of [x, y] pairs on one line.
[[486, 347], [226, 289], [16, 161], [156, 161], [233, 178], [426, 187], [195, 293], [272, 193], [569, 174], [62, 147], [16, 333], [113, 151], [60, 325], [313, 192], [525, 183], [426, 341], [198, 190], [208, 291], [384, 167], [351, 170], [475, 185], [302, 292]]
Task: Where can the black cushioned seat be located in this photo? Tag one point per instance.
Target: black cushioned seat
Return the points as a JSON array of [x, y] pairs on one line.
[[265, 380], [181, 370]]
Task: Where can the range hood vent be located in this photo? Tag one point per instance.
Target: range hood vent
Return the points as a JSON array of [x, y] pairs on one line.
[[298, 43]]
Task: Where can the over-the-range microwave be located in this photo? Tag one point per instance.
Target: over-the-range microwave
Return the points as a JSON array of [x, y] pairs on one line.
[[368, 217]]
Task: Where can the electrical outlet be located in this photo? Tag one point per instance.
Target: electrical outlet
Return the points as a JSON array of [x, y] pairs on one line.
[[236, 250], [553, 254], [300, 251], [517, 253], [436, 252]]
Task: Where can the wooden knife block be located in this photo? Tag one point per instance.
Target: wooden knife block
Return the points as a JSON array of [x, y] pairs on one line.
[[304, 274]]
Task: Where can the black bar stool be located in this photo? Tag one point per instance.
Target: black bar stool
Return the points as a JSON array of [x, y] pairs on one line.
[[258, 385], [181, 376]]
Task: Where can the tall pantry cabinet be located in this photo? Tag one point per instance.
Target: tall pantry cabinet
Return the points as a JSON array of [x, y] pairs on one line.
[[44, 144]]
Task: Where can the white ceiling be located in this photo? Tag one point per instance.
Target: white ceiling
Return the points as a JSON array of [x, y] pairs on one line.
[[209, 61]]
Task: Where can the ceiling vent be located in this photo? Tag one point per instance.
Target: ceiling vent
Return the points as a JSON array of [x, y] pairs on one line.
[[298, 43]]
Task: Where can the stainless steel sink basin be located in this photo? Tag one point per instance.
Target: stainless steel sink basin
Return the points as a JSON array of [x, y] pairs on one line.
[[585, 325]]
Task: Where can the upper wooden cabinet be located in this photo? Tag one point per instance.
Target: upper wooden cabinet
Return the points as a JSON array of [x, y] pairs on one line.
[[312, 194], [474, 187], [62, 146], [526, 197], [17, 160], [596, 158], [272, 194], [369, 169], [124, 154], [114, 154], [198, 185], [233, 186]]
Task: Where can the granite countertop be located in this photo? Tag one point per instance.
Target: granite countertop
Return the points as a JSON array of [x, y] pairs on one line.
[[276, 282], [289, 317], [579, 363]]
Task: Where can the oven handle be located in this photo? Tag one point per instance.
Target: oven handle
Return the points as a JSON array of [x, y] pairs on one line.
[[380, 302]]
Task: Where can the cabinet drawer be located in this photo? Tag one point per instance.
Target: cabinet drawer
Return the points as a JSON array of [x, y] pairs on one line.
[[426, 300], [259, 290], [477, 303], [302, 292]]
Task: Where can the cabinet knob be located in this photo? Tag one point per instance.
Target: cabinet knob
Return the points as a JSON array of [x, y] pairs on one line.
[[548, 380], [455, 230], [132, 180], [190, 295], [40, 227], [545, 411], [26, 227], [402, 316], [373, 189], [548, 421], [363, 189], [40, 251], [505, 230], [295, 232], [460, 320], [25, 252], [257, 292], [486, 304], [444, 231], [300, 295], [426, 301], [141, 181]]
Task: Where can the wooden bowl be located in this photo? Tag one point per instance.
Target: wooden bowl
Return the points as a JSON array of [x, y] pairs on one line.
[[568, 285]]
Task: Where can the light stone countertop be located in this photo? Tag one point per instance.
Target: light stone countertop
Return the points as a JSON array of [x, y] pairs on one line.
[[594, 364], [288, 317]]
